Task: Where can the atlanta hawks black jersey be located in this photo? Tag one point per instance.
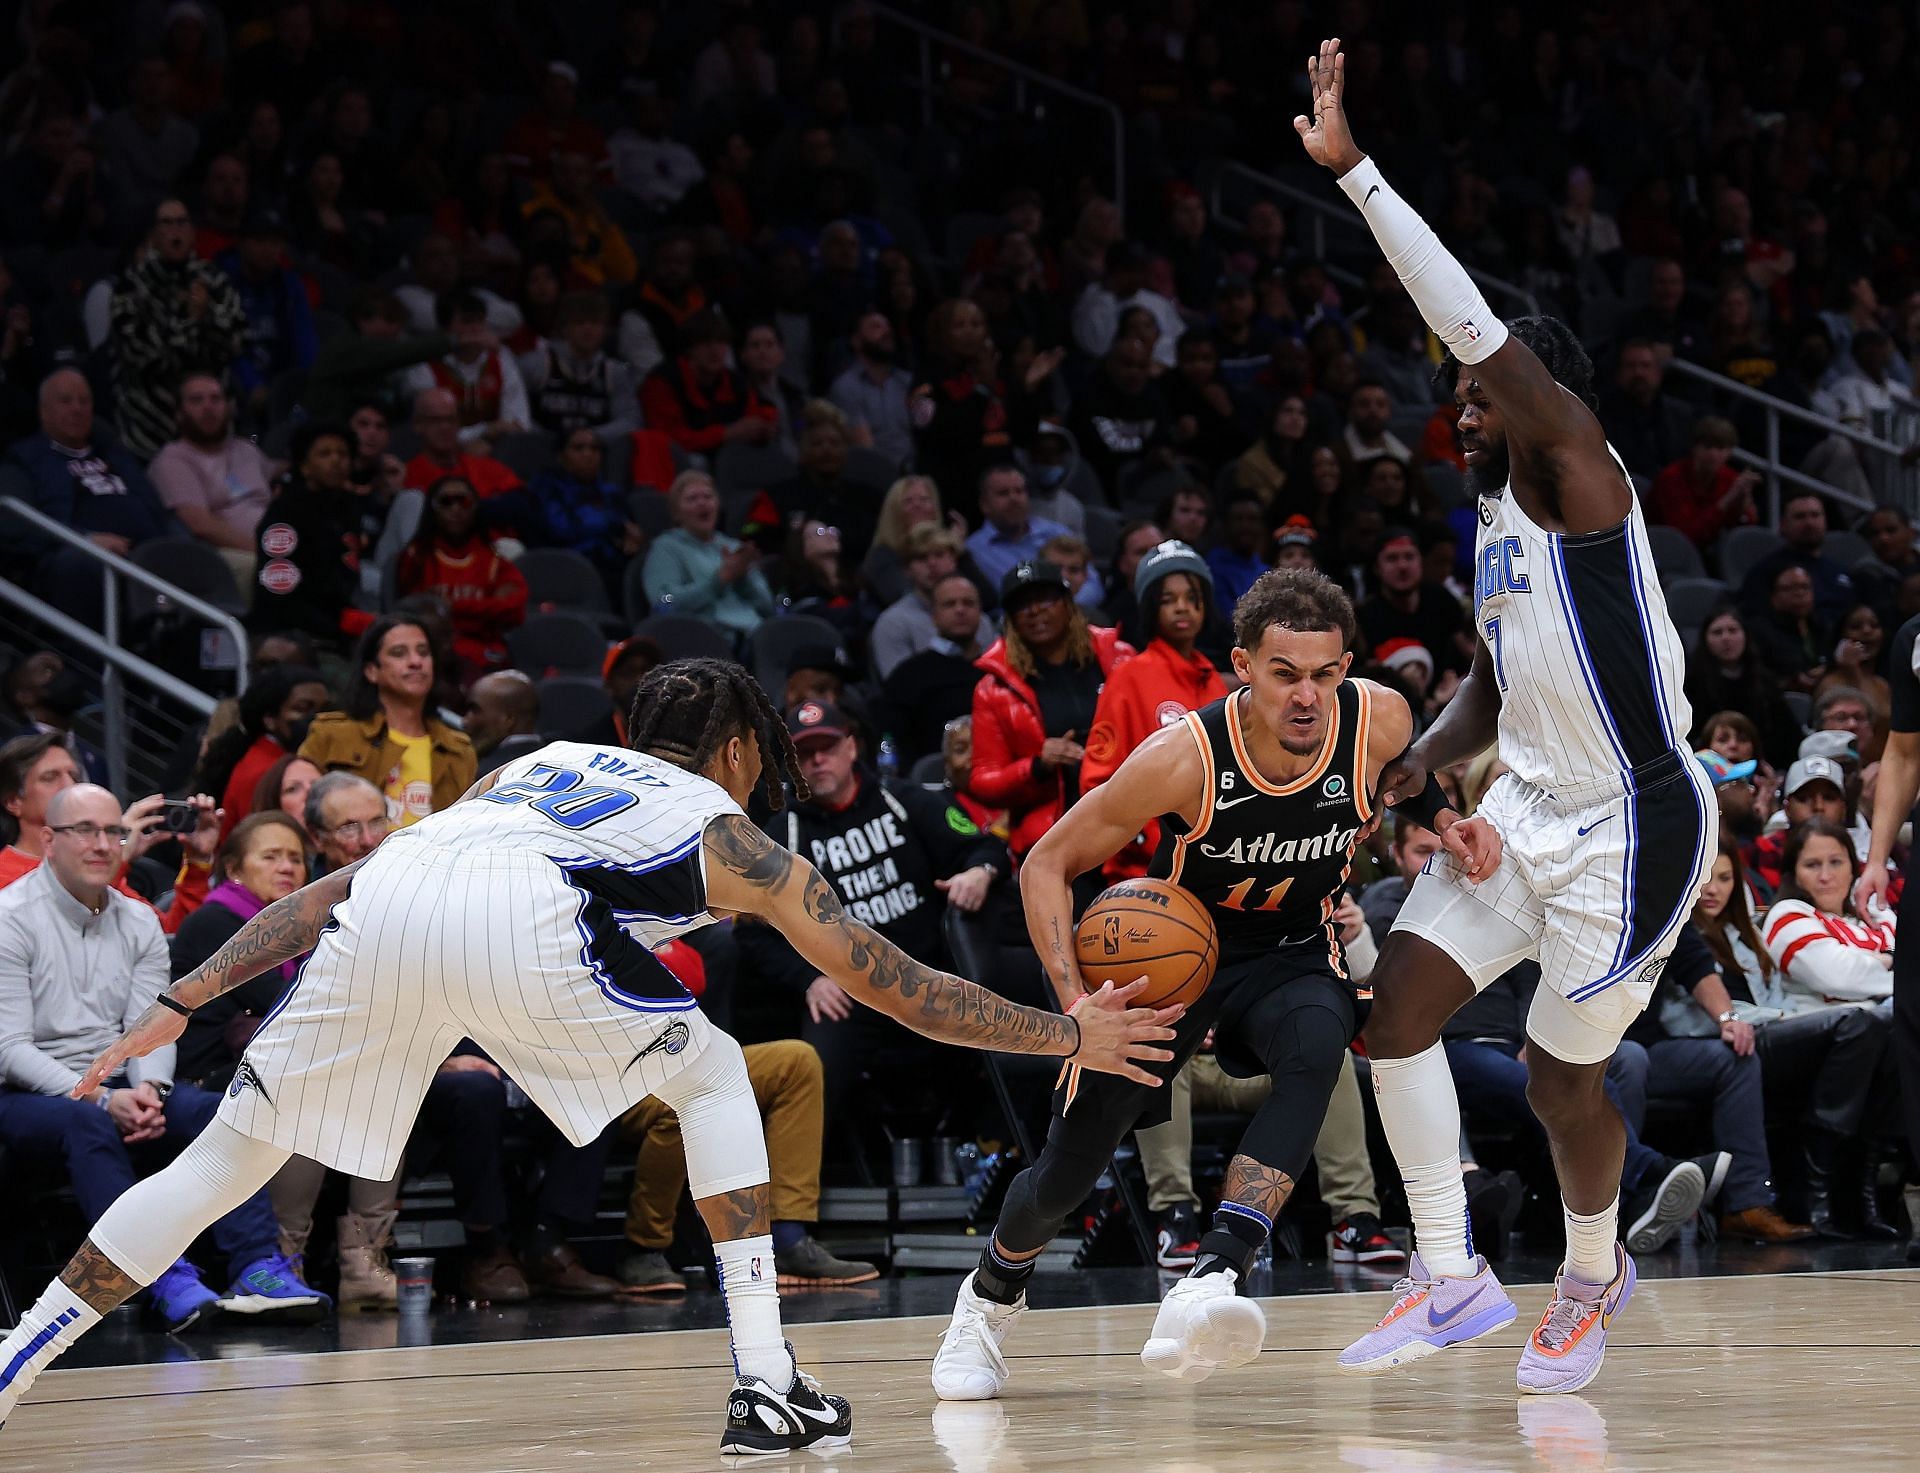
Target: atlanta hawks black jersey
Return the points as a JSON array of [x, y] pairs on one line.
[[1269, 861]]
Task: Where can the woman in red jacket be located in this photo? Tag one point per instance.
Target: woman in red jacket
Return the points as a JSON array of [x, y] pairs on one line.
[[1173, 587], [448, 557], [1040, 691]]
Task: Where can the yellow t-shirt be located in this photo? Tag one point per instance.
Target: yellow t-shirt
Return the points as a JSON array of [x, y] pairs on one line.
[[409, 785]]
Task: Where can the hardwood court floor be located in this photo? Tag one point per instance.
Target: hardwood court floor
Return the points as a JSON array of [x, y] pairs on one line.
[[1791, 1372]]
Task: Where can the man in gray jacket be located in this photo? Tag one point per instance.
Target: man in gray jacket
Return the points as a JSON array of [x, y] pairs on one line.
[[79, 962]]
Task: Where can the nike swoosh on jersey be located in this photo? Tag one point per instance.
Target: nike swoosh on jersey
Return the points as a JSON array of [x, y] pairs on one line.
[[1220, 804], [1586, 829]]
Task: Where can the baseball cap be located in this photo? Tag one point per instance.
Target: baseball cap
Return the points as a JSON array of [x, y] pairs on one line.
[[1296, 531], [1722, 771], [1027, 581], [1814, 770], [1839, 745], [817, 719], [1171, 556]]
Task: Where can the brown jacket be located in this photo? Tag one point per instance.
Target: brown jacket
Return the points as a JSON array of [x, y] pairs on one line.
[[337, 742]]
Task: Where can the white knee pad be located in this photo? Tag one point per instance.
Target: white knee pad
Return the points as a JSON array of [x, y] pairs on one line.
[[154, 1220], [720, 1127]]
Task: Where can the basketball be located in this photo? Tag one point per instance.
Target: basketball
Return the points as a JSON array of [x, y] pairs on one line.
[[1151, 929]]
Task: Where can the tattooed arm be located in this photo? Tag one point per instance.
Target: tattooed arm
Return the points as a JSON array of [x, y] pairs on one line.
[[749, 874], [284, 930], [1092, 832]]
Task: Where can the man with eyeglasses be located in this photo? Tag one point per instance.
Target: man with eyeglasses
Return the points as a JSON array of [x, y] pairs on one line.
[[347, 817], [79, 961], [171, 312]]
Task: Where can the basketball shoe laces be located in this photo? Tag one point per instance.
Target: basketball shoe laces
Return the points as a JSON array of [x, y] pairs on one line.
[[975, 1331], [1405, 1292], [1562, 1321]]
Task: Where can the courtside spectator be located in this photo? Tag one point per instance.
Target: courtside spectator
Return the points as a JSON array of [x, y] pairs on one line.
[[572, 504], [572, 383], [966, 416], [215, 482], [698, 401], [1803, 523], [483, 377], [275, 711], [502, 718], [1725, 673], [694, 568], [450, 558], [872, 390], [910, 502], [1406, 606], [444, 452], [1703, 495], [1647, 426], [906, 626], [927, 691], [1010, 535], [310, 544]]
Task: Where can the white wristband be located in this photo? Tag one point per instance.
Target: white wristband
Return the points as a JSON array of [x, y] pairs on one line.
[[1439, 285]]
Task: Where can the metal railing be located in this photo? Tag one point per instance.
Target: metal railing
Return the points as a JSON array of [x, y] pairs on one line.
[[1324, 214], [117, 662], [1891, 482], [931, 39]]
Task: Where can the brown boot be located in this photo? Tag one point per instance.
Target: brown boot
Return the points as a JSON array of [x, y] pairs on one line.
[[366, 1282], [492, 1274], [558, 1271], [1762, 1225]]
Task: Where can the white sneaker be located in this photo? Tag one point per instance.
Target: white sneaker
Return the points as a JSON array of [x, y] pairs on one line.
[[1204, 1326], [968, 1365]]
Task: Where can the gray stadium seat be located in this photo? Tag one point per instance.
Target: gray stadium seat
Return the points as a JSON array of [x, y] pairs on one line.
[[743, 467], [1742, 547], [1690, 601], [683, 637], [1674, 555], [1847, 548], [571, 703], [557, 644], [190, 565], [525, 454], [560, 578], [773, 643]]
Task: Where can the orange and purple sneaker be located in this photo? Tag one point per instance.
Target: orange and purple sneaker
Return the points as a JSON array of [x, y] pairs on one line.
[[1564, 1352], [1430, 1312]]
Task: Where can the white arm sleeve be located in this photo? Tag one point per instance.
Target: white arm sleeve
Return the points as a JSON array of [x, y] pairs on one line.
[[1438, 284]]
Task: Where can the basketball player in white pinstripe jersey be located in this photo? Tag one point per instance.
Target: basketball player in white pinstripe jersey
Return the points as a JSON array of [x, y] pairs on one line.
[[1606, 821], [523, 917]]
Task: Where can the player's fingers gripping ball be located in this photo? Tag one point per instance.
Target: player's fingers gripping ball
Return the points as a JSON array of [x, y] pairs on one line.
[[1149, 929]]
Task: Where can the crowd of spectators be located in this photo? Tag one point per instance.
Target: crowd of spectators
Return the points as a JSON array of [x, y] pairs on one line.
[[392, 311]]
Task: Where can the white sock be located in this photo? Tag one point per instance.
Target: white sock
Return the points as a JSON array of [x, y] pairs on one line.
[[750, 1283], [58, 1318], [1421, 1114], [1590, 1242]]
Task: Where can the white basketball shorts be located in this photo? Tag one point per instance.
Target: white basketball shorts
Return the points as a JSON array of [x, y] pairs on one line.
[[1594, 883], [432, 946]]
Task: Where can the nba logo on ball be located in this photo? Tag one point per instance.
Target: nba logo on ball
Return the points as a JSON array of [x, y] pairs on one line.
[[1110, 935]]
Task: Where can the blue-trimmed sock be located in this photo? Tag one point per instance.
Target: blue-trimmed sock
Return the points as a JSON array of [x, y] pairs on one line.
[[57, 1319], [1236, 1235]]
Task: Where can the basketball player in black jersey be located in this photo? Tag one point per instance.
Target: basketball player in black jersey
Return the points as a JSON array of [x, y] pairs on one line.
[[1261, 798]]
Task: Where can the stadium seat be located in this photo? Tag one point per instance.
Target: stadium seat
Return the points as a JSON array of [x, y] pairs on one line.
[[1848, 549], [929, 771], [1674, 555], [1103, 532], [557, 644], [190, 565], [571, 703], [649, 510], [526, 454], [1742, 547], [869, 468], [683, 637], [743, 467], [1800, 704], [771, 645], [560, 578], [1691, 601]]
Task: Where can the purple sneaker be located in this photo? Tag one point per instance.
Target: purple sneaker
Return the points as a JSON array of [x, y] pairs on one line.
[[1564, 1353], [1432, 1311]]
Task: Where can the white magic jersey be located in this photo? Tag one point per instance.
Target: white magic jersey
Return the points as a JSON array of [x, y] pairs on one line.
[[1588, 662]]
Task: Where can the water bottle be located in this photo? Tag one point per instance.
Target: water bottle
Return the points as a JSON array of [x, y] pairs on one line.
[[888, 759]]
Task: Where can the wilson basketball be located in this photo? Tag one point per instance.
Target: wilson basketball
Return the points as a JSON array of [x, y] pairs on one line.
[[1151, 929]]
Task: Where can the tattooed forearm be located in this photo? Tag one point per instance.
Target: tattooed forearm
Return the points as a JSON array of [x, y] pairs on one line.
[[284, 930], [734, 1215], [97, 1279], [1260, 1187]]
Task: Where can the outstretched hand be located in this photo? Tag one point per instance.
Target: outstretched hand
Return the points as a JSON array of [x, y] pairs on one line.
[[155, 1028], [1117, 1039], [1475, 843], [1325, 133]]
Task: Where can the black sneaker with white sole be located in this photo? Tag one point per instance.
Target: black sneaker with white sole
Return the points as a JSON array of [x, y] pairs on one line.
[[1359, 1238], [1666, 1199], [1176, 1232], [762, 1420], [1714, 1167]]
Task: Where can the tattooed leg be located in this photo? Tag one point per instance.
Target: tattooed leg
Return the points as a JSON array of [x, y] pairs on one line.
[[100, 1283], [1262, 1188], [89, 1286], [746, 1213]]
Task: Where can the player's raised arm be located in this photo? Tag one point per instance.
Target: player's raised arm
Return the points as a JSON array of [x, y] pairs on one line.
[[1549, 429], [749, 874], [1163, 774]]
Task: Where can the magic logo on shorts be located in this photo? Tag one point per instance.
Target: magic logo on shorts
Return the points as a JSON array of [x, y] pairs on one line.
[[673, 1039], [247, 1077]]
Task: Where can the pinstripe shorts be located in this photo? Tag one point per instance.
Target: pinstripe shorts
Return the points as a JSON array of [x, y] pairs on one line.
[[1592, 884], [432, 946]]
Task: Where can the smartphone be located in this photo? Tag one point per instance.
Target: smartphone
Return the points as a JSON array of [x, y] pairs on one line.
[[178, 816]]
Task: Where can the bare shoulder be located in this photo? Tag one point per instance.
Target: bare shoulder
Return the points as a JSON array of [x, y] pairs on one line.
[[1390, 725]]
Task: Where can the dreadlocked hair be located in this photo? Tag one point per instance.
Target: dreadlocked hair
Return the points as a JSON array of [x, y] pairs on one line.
[[1553, 343], [687, 710]]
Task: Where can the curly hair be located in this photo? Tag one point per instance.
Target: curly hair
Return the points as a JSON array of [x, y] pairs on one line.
[[687, 710], [1303, 599], [1553, 343]]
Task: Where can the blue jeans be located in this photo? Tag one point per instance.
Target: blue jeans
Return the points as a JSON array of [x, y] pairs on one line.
[[100, 1166], [1492, 1083], [1692, 1070]]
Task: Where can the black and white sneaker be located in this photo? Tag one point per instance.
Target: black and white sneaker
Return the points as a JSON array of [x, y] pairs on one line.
[[1668, 1196], [1359, 1238], [762, 1420], [1176, 1232], [1714, 1167]]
